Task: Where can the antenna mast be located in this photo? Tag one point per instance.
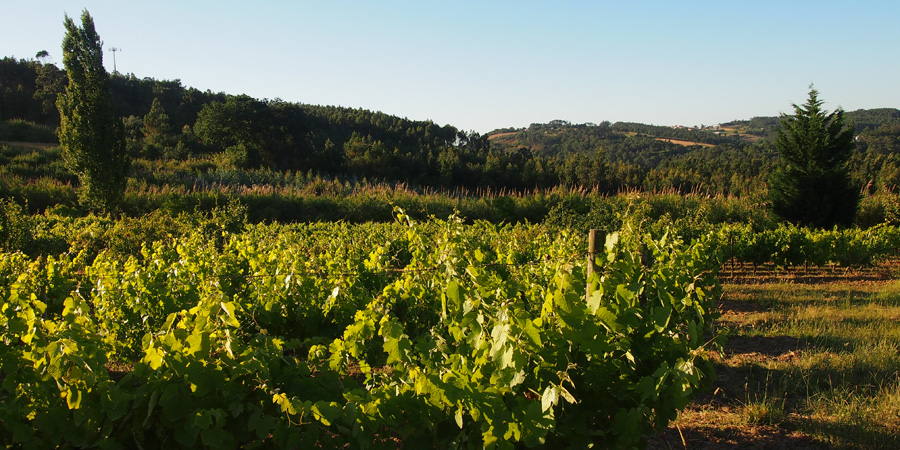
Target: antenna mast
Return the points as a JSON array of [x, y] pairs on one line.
[[114, 50]]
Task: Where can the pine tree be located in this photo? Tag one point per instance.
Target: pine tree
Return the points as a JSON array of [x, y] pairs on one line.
[[157, 129], [91, 136], [813, 186]]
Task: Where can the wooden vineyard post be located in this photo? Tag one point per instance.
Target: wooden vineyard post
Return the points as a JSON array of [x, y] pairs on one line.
[[732, 256], [646, 256], [596, 240], [646, 262]]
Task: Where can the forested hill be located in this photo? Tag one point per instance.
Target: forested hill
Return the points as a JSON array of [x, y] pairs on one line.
[[863, 120], [165, 120], [560, 136], [730, 157], [245, 132]]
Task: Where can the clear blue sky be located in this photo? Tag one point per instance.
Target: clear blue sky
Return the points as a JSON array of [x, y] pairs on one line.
[[482, 65]]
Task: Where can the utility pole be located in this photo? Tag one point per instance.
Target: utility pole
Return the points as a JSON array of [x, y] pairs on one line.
[[114, 50]]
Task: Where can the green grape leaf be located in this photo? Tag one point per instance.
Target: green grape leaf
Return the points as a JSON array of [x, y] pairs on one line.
[[17, 325], [326, 412], [532, 333], [594, 300], [261, 424], [230, 319], [73, 398], [153, 357], [550, 397], [198, 343], [608, 319], [396, 344]]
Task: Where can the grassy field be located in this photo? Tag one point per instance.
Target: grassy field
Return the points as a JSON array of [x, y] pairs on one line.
[[684, 143], [809, 363]]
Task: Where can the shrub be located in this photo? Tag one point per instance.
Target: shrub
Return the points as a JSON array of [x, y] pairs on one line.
[[14, 226], [24, 131]]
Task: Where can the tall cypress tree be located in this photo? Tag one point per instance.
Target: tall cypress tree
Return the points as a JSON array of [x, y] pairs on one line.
[[91, 136], [813, 186]]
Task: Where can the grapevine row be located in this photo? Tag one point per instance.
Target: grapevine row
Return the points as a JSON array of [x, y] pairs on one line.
[[295, 336], [788, 245]]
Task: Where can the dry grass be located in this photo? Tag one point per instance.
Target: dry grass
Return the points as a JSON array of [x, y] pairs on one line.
[[684, 143], [29, 145], [807, 365]]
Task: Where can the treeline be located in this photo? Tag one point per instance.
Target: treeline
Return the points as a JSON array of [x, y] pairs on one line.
[[28, 91], [167, 121], [643, 156], [862, 120], [875, 164]]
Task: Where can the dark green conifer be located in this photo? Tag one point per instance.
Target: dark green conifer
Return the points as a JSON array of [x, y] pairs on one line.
[[813, 187]]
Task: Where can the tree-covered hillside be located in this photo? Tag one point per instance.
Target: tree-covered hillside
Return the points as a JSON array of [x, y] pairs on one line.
[[165, 120], [731, 158], [243, 132]]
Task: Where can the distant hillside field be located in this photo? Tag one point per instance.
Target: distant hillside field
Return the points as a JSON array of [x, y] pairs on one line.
[[684, 143]]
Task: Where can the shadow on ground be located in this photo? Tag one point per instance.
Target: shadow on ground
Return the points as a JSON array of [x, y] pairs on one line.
[[744, 375], [732, 437]]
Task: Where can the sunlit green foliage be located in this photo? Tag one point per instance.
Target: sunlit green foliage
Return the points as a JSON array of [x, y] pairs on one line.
[[435, 334]]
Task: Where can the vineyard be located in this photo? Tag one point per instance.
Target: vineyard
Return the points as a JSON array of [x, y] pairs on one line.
[[431, 334], [183, 269], [435, 334]]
